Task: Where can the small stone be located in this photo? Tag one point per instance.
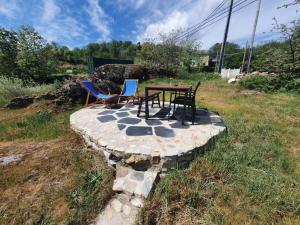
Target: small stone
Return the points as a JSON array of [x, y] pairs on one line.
[[138, 162], [137, 202], [156, 158], [116, 205], [126, 210], [10, 159], [232, 81]]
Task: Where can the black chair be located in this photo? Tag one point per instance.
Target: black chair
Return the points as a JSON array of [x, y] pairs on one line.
[[189, 101], [152, 96]]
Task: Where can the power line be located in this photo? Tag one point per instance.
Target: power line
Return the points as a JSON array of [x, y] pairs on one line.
[[212, 19], [208, 17], [221, 13], [232, 13]]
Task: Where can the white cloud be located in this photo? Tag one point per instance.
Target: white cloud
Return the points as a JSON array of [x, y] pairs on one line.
[[129, 4], [51, 10], [183, 14], [59, 27], [99, 19], [175, 21], [8, 8]]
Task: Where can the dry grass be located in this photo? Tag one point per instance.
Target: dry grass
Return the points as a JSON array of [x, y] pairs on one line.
[[249, 176], [58, 180]]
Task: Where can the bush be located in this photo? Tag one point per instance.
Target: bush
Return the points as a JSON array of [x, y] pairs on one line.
[[271, 83], [15, 87], [197, 76]]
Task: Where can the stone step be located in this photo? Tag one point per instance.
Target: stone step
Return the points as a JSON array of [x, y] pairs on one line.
[[119, 211], [134, 182]]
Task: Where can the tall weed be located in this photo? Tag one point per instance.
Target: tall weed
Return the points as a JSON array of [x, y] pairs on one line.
[[15, 87]]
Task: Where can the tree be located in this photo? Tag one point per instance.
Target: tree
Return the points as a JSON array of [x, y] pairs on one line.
[[291, 36], [35, 59], [233, 54], [8, 52], [168, 53], [92, 49]]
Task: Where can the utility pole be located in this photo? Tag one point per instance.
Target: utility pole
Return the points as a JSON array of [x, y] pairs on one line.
[[221, 63], [244, 58], [253, 35]]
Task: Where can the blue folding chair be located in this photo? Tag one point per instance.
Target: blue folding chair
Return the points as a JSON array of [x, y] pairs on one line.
[[100, 97], [129, 90]]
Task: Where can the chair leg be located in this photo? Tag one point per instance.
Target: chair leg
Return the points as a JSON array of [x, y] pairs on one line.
[[119, 100], [87, 99], [158, 101], [140, 107], [193, 114], [174, 106]]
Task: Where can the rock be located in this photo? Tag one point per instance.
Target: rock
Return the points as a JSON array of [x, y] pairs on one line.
[[20, 102], [117, 205], [72, 92], [108, 87], [134, 182], [137, 202], [118, 211], [10, 159], [138, 162], [46, 96], [117, 73], [255, 73], [250, 92], [232, 81]]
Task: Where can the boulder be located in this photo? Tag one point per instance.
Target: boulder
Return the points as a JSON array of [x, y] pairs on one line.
[[70, 93], [20, 102], [108, 87], [117, 73], [67, 95], [46, 96]]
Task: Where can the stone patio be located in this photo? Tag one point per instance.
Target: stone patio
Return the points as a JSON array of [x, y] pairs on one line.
[[121, 133], [141, 149]]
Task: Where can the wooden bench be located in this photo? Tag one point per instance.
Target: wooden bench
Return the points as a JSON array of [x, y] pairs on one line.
[[152, 96]]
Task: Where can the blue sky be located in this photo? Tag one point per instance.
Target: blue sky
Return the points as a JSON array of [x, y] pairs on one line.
[[77, 22]]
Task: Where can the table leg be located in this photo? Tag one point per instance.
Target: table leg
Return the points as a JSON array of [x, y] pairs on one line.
[[146, 104], [184, 109], [163, 99]]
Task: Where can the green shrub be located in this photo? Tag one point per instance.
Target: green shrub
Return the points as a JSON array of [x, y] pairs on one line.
[[15, 87], [82, 69], [271, 83], [183, 75]]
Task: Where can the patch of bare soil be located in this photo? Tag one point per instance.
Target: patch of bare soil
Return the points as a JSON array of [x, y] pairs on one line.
[[250, 92], [35, 188]]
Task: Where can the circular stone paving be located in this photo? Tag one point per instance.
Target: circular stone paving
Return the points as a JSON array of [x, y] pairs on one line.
[[122, 132]]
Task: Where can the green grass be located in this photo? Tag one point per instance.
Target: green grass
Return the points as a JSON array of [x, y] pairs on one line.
[[38, 126], [58, 180], [249, 175], [14, 87]]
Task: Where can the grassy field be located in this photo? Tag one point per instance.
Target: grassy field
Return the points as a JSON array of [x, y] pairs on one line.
[[58, 180], [249, 176]]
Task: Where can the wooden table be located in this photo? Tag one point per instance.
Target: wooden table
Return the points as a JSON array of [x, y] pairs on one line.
[[166, 87]]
